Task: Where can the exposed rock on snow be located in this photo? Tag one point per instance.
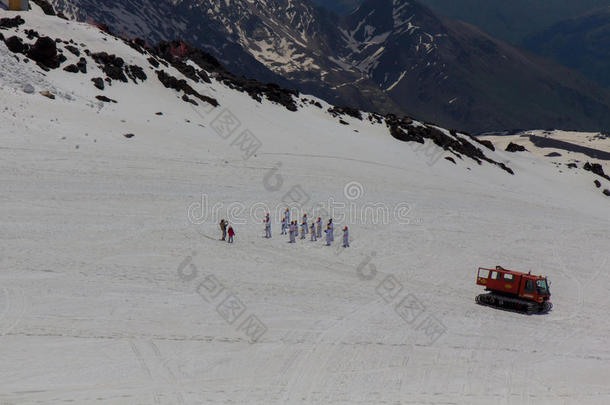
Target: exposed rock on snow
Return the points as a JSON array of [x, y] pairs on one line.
[[44, 51], [339, 110], [513, 147], [48, 94], [181, 85], [14, 22], [28, 89], [98, 82], [111, 65], [105, 99], [596, 168], [15, 45]]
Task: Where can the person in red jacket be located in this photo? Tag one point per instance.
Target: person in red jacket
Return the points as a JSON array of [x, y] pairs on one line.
[[231, 234]]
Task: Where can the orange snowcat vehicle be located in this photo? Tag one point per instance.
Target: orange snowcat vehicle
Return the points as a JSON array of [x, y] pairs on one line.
[[514, 291]]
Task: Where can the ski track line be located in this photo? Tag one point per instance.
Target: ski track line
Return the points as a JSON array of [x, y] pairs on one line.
[[144, 367], [164, 363]]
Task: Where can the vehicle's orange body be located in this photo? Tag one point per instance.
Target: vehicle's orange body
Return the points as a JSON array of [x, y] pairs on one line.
[[513, 290], [523, 285]]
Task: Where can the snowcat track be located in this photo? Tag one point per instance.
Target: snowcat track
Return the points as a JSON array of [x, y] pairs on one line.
[[513, 304]]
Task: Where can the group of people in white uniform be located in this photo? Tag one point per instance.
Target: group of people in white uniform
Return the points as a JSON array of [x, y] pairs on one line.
[[314, 229]]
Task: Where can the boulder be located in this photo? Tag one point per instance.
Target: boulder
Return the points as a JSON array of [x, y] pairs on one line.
[[47, 94], [487, 143], [105, 99], [513, 147], [46, 7], [352, 112], [15, 45], [98, 82], [594, 168], [111, 65], [71, 68], [74, 50], [44, 51], [11, 22], [82, 65], [28, 89]]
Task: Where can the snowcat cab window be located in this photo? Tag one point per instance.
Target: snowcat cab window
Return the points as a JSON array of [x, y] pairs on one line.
[[529, 286], [495, 275], [509, 277], [541, 287], [483, 273]]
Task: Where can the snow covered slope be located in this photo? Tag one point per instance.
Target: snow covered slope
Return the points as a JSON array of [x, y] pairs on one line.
[[566, 150], [115, 289]]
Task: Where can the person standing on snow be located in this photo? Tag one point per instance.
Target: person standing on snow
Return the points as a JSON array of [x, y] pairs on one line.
[[331, 226], [304, 230], [223, 227], [292, 231], [345, 237], [319, 228], [328, 235], [284, 225], [231, 234], [267, 222], [313, 232], [287, 216]]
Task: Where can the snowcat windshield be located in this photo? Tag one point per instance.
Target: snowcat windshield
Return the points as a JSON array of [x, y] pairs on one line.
[[542, 287]]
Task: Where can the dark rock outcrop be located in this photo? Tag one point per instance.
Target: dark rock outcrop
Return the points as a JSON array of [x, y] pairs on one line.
[[11, 22], [71, 68], [171, 82], [513, 147], [44, 52], [135, 72], [74, 50], [352, 112], [98, 82], [596, 168], [46, 7], [153, 62], [105, 99], [488, 144], [111, 65], [82, 65], [177, 52], [404, 130], [15, 45]]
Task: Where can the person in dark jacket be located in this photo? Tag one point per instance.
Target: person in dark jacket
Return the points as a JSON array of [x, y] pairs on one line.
[[223, 227]]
